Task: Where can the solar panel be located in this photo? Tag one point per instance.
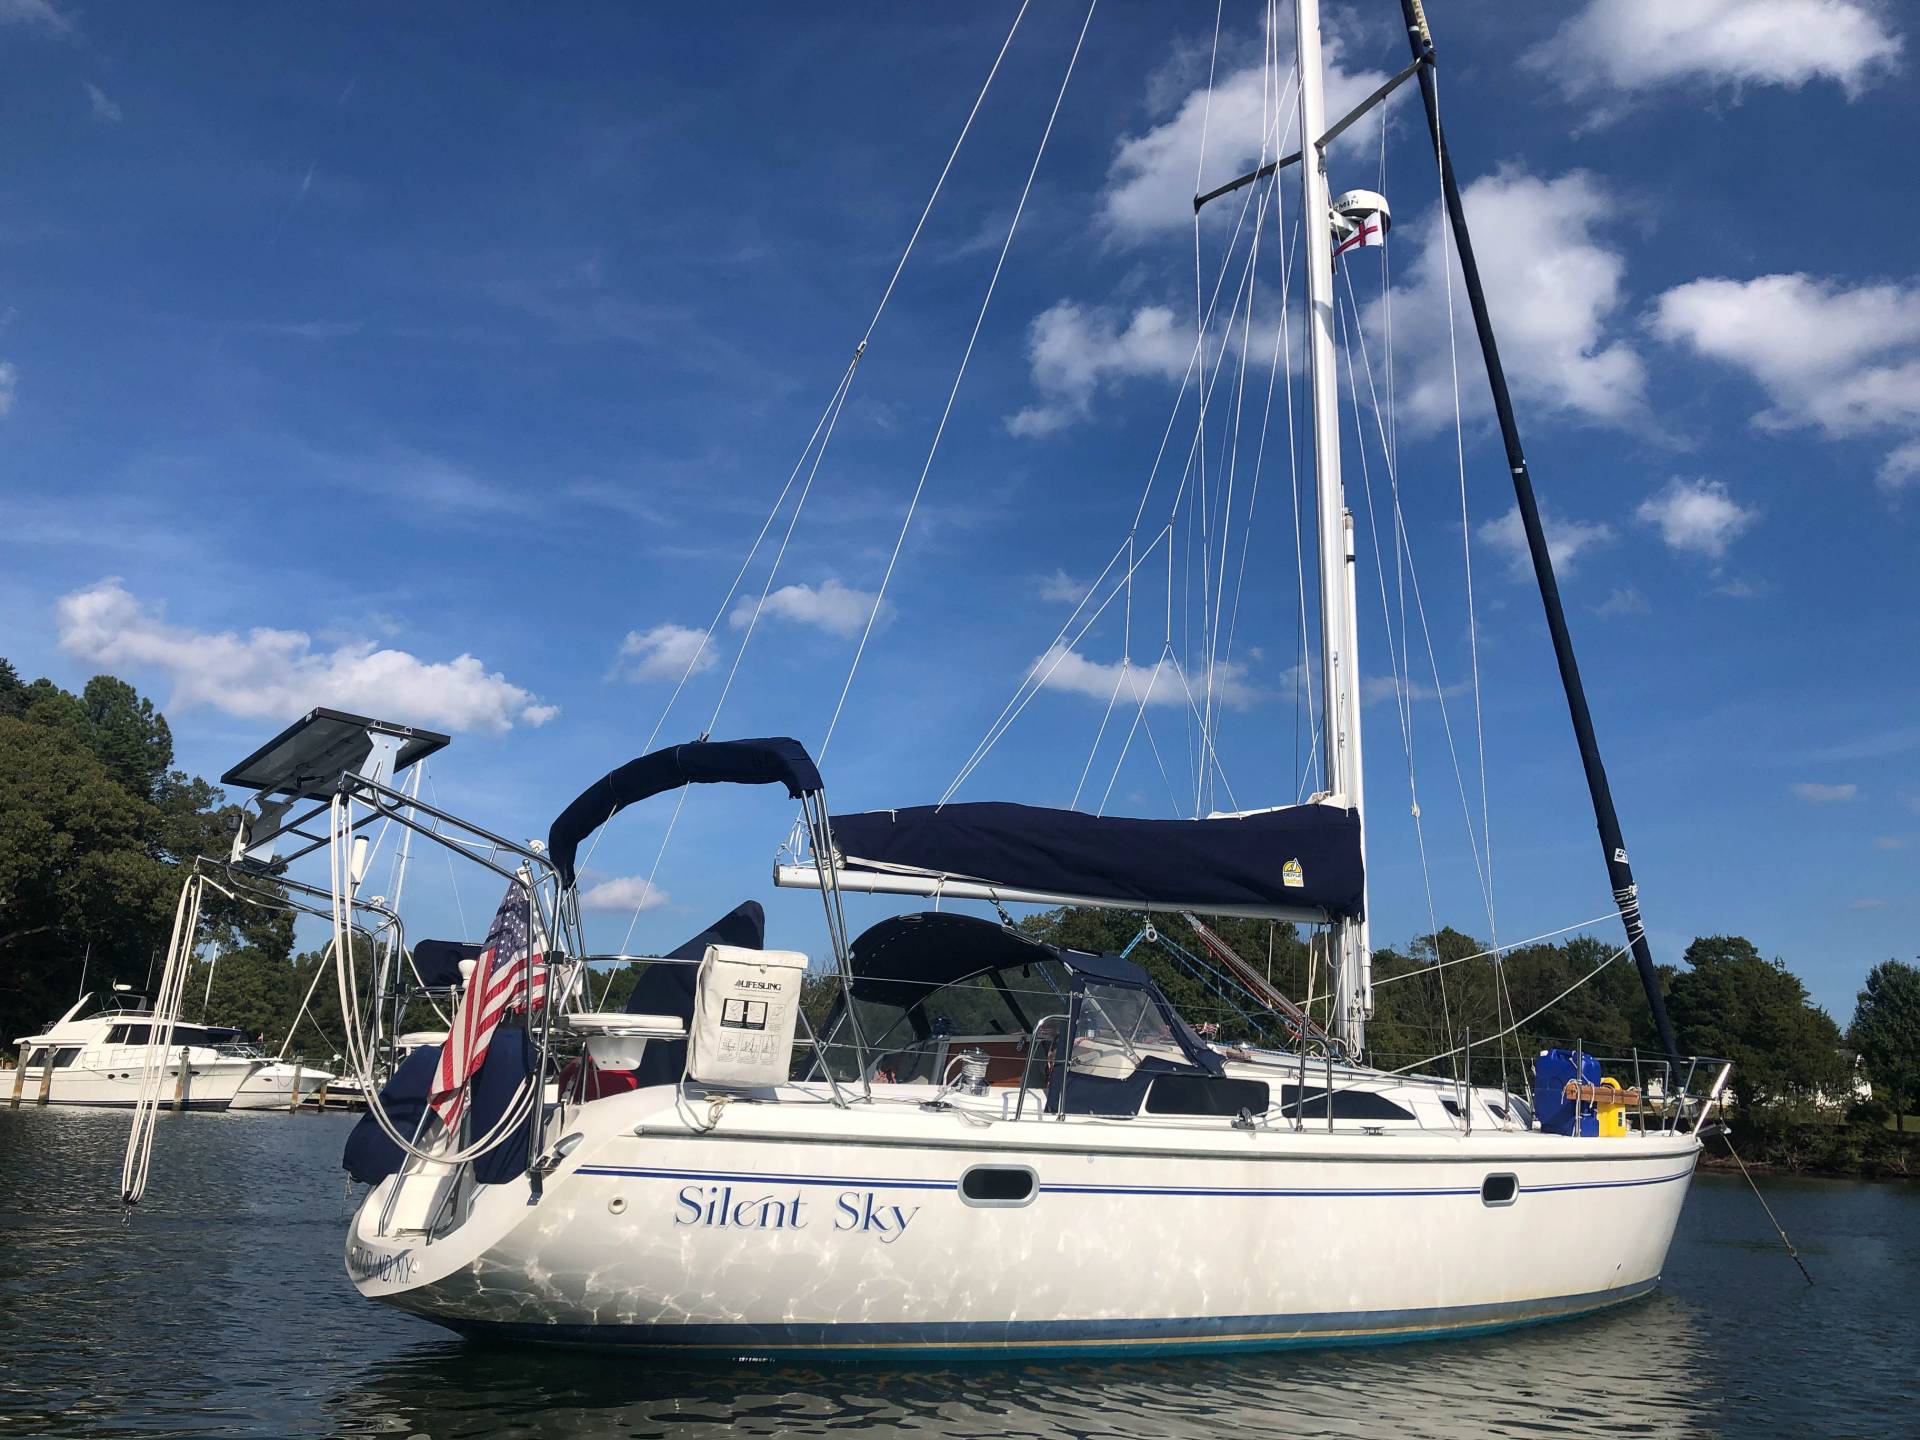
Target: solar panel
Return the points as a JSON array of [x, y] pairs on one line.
[[308, 758]]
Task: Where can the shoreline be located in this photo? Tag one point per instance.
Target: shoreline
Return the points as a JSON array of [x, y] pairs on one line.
[[1832, 1151]]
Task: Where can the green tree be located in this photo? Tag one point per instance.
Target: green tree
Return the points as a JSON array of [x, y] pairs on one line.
[[13, 695], [94, 822], [129, 735], [76, 872], [1732, 1003], [1886, 1032]]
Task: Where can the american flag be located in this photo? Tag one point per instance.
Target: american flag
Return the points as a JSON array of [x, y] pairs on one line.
[[505, 977]]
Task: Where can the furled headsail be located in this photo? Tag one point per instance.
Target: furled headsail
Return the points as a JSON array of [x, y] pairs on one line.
[[1294, 858]]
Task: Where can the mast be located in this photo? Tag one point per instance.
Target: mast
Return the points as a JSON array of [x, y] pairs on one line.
[[1612, 844], [1339, 629]]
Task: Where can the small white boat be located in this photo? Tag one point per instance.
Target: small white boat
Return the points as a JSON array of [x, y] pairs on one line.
[[98, 1059], [277, 1084]]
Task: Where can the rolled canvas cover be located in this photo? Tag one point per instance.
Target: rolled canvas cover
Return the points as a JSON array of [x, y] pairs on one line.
[[744, 1017]]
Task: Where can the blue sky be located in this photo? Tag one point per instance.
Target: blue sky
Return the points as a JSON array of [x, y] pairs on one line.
[[444, 363]]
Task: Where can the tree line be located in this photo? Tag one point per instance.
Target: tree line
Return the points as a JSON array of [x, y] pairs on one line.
[[1726, 1000], [95, 820]]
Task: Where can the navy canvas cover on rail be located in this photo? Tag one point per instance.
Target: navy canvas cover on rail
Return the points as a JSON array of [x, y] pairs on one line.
[[370, 1156], [511, 1056], [1300, 856], [437, 962]]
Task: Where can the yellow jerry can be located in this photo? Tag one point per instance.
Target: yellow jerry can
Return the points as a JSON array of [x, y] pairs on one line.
[[1613, 1108]]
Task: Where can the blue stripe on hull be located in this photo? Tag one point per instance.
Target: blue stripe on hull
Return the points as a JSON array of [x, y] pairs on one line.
[[749, 1177], [1042, 1339]]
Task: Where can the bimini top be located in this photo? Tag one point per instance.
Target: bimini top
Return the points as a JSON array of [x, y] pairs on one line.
[[775, 759], [1293, 858]]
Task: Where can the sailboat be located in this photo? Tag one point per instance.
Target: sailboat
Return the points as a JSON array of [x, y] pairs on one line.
[[961, 1139]]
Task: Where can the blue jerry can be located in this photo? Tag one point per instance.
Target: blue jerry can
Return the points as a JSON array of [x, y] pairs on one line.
[[1557, 1114]]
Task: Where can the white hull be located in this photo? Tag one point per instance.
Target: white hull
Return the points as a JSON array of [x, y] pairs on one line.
[[273, 1087], [211, 1084], [806, 1228]]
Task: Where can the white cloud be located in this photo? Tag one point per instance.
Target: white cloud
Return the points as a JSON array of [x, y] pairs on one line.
[[1150, 186], [1875, 745], [1623, 601], [1843, 360], [1553, 286], [1900, 469], [1815, 793], [35, 15], [1565, 539], [9, 379], [104, 109], [831, 606], [1696, 515], [276, 674], [1625, 45], [1889, 842], [1068, 670], [1072, 350], [625, 893], [1873, 903], [1062, 589], [664, 653], [1375, 689]]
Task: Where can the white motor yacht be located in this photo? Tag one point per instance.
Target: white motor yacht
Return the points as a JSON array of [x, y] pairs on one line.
[[97, 1057]]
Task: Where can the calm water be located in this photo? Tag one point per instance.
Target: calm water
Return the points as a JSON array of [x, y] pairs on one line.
[[224, 1310]]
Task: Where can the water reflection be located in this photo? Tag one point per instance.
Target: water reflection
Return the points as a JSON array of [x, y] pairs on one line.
[[1637, 1371], [223, 1310]]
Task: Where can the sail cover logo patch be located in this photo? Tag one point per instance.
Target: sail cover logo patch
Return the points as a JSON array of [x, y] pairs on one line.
[[1292, 876]]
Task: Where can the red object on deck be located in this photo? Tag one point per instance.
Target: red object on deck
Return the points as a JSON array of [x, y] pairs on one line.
[[598, 1083]]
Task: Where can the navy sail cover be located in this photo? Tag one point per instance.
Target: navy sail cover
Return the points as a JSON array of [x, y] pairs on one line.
[[1297, 857]]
